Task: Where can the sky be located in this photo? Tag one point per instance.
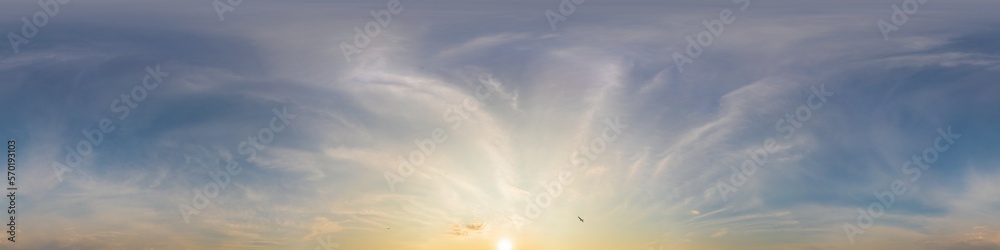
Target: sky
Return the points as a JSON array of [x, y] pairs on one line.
[[446, 124]]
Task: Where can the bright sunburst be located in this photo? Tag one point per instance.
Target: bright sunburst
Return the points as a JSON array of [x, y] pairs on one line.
[[505, 244]]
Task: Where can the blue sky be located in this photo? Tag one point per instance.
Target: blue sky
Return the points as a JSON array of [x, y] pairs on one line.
[[511, 107]]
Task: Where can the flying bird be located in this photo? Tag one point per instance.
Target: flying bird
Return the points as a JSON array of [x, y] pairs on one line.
[[581, 219]]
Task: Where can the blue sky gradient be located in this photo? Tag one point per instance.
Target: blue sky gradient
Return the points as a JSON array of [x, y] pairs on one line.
[[331, 174]]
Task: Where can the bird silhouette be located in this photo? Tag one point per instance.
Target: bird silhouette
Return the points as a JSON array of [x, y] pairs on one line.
[[581, 219]]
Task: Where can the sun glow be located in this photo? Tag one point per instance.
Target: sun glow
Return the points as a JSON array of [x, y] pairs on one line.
[[505, 244]]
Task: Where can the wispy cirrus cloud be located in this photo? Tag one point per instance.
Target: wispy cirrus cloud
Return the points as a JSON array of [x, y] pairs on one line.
[[323, 179]]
